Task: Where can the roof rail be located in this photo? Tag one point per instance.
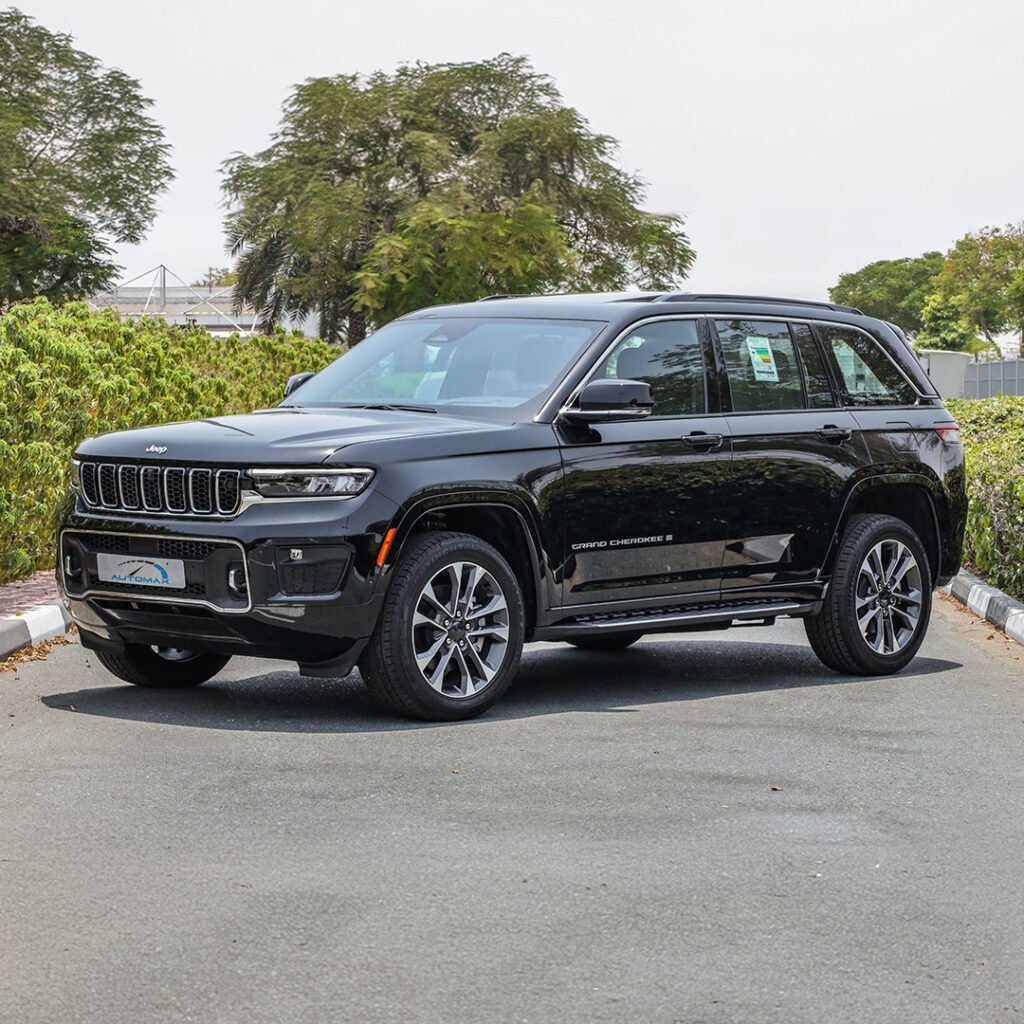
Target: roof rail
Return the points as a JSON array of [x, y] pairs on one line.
[[510, 295], [773, 299]]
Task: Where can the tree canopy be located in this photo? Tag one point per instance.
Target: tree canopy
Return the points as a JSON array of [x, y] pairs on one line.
[[81, 163], [893, 290], [982, 281], [438, 183], [962, 301]]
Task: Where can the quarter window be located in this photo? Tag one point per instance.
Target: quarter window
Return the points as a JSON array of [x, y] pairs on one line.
[[867, 375], [667, 356]]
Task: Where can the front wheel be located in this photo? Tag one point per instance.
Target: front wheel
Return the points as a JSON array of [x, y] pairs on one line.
[[450, 634], [161, 667], [877, 607]]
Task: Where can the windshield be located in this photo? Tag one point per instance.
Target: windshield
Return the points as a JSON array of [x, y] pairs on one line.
[[501, 367]]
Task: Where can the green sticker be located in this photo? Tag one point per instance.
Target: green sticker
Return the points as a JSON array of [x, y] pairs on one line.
[[762, 359]]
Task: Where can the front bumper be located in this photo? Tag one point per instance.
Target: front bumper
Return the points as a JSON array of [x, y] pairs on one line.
[[294, 582]]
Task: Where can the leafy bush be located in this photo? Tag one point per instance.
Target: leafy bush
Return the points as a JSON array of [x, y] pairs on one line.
[[993, 432], [70, 372]]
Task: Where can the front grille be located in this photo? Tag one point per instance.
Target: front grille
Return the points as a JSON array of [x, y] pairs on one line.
[[161, 490]]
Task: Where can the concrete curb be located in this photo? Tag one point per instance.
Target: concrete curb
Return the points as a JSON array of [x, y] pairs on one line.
[[43, 622], [990, 604]]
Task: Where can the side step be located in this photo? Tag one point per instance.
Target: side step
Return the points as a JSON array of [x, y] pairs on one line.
[[677, 619]]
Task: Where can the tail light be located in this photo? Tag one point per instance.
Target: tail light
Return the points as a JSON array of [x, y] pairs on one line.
[[948, 432]]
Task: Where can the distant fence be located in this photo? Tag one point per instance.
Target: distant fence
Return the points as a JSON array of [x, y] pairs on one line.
[[986, 380]]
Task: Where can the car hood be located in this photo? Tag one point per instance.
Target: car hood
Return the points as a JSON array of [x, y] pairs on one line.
[[288, 436]]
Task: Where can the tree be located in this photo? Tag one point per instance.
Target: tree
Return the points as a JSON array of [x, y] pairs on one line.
[[81, 163], [438, 183], [983, 278], [893, 290]]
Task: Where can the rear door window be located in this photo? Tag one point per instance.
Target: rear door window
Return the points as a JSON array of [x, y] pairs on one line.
[[764, 361]]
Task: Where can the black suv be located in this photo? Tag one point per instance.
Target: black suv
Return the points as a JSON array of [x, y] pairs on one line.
[[585, 468]]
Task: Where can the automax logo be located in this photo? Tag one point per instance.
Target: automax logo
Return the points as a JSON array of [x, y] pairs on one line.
[[144, 572]]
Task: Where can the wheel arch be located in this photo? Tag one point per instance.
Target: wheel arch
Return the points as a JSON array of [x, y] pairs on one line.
[[500, 520], [909, 497]]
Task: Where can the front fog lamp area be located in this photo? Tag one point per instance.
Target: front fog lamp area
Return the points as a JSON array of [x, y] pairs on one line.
[[310, 483]]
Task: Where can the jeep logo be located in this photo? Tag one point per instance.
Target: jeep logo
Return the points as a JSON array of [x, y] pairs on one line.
[[156, 449]]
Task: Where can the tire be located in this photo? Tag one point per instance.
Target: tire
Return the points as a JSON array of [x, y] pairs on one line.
[[424, 617], [886, 591], [613, 642], [175, 668]]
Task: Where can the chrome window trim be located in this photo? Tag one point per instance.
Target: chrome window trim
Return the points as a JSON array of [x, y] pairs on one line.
[[145, 595], [722, 315]]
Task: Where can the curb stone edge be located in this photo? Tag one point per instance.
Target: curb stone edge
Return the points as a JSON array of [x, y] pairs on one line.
[[43, 622], [989, 603]]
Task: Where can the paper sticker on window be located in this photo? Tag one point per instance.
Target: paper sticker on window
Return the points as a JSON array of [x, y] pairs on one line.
[[762, 359]]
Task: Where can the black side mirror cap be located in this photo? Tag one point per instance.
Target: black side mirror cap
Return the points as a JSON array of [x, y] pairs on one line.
[[295, 380], [602, 401]]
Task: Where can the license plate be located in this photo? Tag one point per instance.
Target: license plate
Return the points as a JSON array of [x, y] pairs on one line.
[[166, 573]]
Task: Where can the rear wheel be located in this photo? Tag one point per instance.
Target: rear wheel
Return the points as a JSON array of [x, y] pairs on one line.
[[162, 667], [450, 635], [613, 642], [876, 611]]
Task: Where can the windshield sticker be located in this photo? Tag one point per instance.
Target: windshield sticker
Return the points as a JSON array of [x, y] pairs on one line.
[[762, 359]]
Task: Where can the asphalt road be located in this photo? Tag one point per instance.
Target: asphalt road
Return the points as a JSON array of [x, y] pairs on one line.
[[703, 830]]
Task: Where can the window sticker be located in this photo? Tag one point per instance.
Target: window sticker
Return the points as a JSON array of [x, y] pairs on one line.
[[762, 358]]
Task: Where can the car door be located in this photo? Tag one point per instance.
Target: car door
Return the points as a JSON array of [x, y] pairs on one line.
[[794, 450], [644, 501]]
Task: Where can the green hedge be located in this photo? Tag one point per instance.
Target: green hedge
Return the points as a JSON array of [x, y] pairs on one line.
[[993, 433], [70, 372]]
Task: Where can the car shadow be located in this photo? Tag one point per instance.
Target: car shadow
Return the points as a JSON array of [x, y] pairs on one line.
[[551, 681]]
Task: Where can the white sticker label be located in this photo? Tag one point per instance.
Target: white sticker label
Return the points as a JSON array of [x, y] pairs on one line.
[[762, 358]]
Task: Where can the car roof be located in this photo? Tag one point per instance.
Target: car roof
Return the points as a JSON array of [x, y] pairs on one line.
[[633, 305]]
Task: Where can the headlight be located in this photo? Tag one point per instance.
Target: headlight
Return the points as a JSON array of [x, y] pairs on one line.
[[310, 483], [76, 476]]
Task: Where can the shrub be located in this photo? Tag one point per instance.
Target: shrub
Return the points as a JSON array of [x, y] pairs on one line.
[[993, 432], [70, 372]]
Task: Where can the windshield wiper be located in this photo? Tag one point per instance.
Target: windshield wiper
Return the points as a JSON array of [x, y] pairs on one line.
[[391, 407]]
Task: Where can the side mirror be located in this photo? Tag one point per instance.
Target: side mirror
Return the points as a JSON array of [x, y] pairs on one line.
[[607, 400], [295, 380]]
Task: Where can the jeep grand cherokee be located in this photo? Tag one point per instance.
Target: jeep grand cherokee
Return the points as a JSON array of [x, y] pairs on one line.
[[587, 469]]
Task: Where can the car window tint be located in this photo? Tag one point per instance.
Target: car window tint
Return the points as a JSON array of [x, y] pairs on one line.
[[762, 365], [816, 382], [667, 356], [867, 375]]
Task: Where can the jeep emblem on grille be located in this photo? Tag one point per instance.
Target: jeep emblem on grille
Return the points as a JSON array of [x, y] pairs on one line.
[[156, 449]]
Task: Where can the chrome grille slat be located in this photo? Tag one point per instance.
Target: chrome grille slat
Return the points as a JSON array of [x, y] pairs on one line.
[[145, 488]]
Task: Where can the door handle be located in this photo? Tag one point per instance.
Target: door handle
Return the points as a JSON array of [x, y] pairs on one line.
[[833, 434], [698, 439]]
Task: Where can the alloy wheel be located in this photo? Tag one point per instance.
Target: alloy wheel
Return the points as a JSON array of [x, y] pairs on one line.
[[460, 629], [889, 597]]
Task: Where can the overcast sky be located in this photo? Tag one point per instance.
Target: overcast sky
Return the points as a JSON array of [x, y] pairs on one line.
[[799, 138]]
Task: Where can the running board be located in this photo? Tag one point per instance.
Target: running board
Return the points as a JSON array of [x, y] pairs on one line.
[[654, 621]]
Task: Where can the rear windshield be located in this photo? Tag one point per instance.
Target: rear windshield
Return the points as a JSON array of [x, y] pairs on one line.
[[501, 367]]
